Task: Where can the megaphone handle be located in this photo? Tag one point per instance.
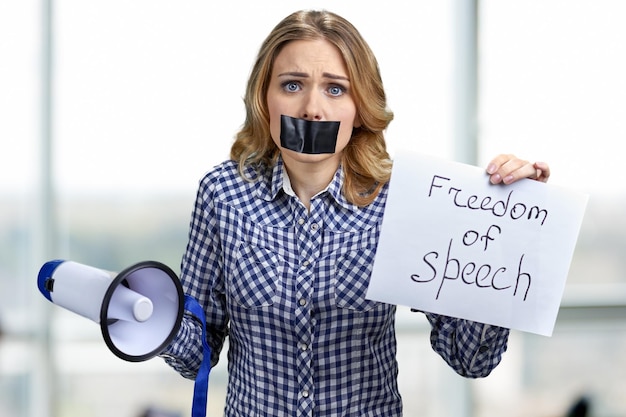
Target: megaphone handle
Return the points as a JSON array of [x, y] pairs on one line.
[[201, 384]]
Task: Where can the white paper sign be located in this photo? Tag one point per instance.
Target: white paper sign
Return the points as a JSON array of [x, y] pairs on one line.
[[453, 244]]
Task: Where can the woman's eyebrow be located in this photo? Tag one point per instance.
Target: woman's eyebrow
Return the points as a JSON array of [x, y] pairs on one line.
[[294, 74], [335, 76], [305, 75]]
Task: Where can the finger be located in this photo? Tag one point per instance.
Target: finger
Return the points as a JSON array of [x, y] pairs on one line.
[[542, 171], [517, 169], [495, 164], [508, 168], [494, 168]]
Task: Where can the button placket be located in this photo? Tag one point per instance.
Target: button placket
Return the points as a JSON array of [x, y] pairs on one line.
[[308, 238]]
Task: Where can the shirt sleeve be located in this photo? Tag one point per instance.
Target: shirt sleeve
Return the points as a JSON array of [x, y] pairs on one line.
[[472, 349], [201, 278]]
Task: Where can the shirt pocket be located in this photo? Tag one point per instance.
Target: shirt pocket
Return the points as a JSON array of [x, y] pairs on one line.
[[256, 276], [351, 279]]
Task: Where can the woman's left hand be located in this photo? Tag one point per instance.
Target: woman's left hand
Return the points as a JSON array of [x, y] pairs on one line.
[[506, 169]]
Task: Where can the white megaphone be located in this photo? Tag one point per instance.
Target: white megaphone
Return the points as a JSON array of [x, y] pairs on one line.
[[139, 309]]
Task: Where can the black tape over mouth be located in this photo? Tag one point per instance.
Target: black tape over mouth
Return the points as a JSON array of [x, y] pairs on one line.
[[308, 136]]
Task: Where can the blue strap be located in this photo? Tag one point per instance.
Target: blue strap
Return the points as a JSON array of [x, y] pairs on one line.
[[201, 385]]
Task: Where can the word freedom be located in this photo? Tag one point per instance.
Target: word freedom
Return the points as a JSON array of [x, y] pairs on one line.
[[498, 208]]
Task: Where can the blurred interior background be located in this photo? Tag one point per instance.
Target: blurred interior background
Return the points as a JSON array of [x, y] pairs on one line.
[[110, 113]]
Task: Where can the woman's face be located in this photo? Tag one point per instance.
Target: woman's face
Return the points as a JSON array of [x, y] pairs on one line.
[[310, 81]]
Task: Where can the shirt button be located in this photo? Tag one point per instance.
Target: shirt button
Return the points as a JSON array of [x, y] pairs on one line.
[[305, 393], [306, 263], [314, 227], [483, 349], [300, 221], [304, 346], [302, 302]]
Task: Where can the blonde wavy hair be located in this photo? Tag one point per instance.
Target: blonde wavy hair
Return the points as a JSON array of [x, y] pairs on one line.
[[365, 160]]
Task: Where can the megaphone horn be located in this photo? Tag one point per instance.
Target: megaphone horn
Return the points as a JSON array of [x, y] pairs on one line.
[[139, 309]]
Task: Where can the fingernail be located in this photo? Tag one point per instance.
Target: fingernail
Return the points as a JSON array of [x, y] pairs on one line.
[[491, 169], [508, 179], [495, 179]]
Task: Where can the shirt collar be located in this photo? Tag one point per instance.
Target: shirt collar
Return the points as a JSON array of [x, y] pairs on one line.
[[279, 180]]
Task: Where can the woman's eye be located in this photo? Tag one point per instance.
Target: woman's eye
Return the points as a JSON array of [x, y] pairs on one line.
[[336, 90], [291, 86]]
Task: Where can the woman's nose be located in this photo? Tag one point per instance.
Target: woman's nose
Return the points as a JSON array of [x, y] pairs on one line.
[[311, 107]]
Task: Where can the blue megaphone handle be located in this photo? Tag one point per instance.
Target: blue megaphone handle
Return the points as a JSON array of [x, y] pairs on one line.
[[201, 385]]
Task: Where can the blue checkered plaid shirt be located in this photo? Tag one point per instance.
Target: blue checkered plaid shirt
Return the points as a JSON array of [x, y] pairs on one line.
[[287, 286]]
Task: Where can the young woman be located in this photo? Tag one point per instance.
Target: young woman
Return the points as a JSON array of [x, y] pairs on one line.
[[283, 238]]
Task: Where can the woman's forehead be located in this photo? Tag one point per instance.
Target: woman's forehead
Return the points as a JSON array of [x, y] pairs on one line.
[[310, 55]]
